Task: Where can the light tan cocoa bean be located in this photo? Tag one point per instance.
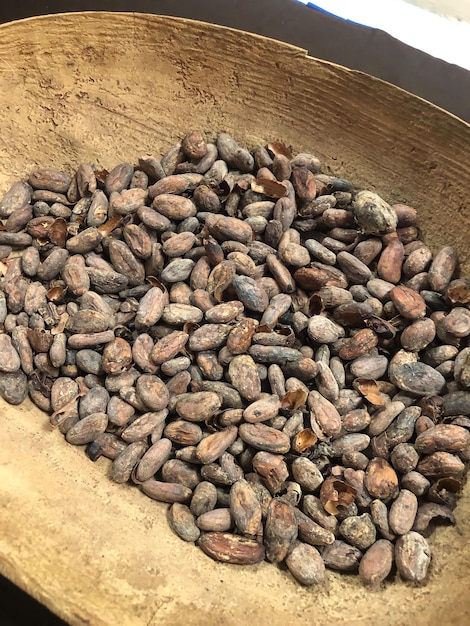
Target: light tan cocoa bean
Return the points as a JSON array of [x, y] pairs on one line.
[[373, 215], [224, 313], [127, 201], [417, 261], [357, 420], [306, 473], [352, 442], [305, 564], [175, 184], [208, 337], [262, 410], [199, 406], [412, 557], [117, 356], [403, 512], [10, 361], [265, 438], [183, 432], [369, 367], [244, 377], [176, 314], [168, 347], [418, 335], [443, 437], [383, 417], [324, 414]]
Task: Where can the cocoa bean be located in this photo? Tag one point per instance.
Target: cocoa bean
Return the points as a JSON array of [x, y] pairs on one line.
[[412, 557], [230, 548], [376, 563], [305, 564]]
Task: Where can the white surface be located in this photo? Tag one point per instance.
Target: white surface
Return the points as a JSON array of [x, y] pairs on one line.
[[440, 37], [458, 9]]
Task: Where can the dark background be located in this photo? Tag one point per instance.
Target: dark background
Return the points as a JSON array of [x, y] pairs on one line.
[[326, 37]]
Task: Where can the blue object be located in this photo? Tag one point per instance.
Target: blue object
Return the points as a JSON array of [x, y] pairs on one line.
[[311, 5]]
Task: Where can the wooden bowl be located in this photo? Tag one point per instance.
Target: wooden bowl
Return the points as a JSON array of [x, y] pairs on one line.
[[107, 87]]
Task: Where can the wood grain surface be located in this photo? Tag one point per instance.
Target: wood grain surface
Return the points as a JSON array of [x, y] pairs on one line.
[[110, 87]]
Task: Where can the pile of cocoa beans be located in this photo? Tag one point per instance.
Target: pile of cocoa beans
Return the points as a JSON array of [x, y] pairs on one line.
[[267, 348]]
